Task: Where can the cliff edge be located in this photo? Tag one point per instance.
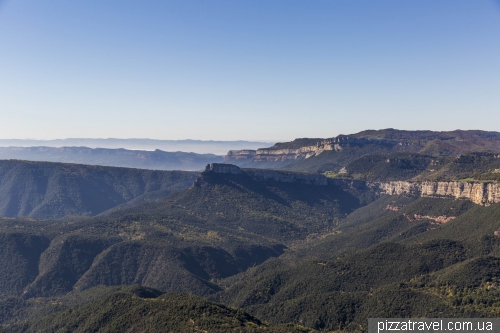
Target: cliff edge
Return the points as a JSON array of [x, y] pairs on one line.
[[478, 193]]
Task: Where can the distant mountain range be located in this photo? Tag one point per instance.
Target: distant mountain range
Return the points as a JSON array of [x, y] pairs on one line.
[[194, 146], [153, 160]]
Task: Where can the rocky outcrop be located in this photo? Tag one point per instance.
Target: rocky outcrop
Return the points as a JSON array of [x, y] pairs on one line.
[[223, 168]]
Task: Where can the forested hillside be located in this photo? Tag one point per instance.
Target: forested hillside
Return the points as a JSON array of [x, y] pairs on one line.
[[217, 228], [139, 309], [54, 190], [480, 167], [287, 248], [441, 269]]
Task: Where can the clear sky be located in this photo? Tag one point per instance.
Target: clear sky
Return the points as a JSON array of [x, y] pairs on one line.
[[251, 70]]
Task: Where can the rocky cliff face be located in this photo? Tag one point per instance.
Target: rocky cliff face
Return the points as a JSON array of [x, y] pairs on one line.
[[278, 154], [364, 143], [400, 187], [479, 193], [240, 155]]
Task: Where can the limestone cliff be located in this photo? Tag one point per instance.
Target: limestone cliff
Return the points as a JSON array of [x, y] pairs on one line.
[[479, 193], [240, 155], [278, 154], [346, 148]]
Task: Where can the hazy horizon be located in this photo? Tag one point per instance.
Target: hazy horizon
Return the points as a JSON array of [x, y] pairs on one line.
[[130, 138], [227, 141], [141, 144]]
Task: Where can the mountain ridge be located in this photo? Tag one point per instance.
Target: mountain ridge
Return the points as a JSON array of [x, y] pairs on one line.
[[54, 190], [334, 153], [152, 160], [195, 146]]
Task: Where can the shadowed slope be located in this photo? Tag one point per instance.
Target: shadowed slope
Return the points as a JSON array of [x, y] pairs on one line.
[[54, 190]]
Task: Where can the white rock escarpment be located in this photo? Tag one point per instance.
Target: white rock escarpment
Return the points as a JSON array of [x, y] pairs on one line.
[[401, 187], [276, 155], [479, 193]]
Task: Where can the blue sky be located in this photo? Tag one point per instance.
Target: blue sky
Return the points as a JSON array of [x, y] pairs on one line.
[[251, 70]]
